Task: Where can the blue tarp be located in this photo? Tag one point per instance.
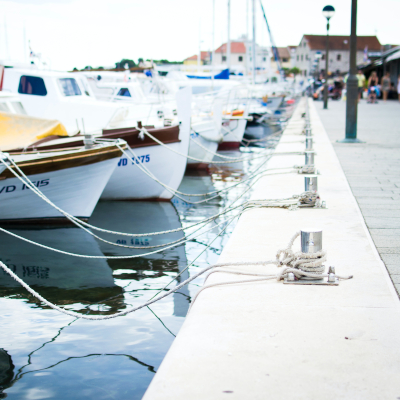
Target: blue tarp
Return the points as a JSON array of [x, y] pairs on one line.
[[224, 74]]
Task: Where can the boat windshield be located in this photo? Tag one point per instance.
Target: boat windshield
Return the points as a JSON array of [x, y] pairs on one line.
[[124, 92], [70, 87]]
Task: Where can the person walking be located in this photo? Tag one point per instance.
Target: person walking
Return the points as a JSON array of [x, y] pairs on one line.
[[385, 85], [373, 88], [361, 84], [398, 87]]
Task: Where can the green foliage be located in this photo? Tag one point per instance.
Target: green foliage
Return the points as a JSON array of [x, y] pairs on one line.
[[163, 61], [123, 62], [295, 71]]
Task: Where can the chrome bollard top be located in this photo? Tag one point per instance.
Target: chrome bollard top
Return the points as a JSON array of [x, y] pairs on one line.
[[309, 157], [311, 240], [311, 183], [309, 143]]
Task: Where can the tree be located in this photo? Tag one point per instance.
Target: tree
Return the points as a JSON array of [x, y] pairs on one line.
[[295, 71], [123, 62]]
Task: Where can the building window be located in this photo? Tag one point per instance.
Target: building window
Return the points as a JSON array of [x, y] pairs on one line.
[[306, 56], [32, 85], [285, 60], [297, 57], [304, 44], [223, 58], [240, 58], [339, 57], [69, 87], [264, 58], [323, 57], [302, 57]]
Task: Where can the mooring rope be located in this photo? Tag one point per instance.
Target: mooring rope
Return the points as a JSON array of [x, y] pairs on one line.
[[302, 265], [144, 130], [299, 263]]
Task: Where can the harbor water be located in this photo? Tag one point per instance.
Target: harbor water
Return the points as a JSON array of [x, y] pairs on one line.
[[48, 355]]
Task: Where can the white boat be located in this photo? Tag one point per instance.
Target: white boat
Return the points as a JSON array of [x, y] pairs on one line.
[[66, 97], [72, 179], [130, 182], [206, 120]]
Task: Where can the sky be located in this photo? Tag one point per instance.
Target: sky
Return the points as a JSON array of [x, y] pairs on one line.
[[77, 33]]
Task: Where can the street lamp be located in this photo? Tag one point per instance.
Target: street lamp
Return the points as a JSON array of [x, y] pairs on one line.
[[328, 12], [352, 83]]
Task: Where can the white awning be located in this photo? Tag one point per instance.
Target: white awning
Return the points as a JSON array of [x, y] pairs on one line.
[[394, 56]]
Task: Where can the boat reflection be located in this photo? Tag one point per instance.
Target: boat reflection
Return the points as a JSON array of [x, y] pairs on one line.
[[62, 279], [142, 217]]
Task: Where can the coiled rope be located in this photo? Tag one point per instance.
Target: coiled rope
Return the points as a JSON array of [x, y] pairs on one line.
[[302, 265]]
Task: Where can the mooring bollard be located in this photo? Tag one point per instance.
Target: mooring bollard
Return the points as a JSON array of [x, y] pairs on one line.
[[311, 183], [311, 240], [309, 158], [309, 143]]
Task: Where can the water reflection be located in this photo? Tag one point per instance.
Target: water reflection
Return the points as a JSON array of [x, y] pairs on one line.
[[144, 217]]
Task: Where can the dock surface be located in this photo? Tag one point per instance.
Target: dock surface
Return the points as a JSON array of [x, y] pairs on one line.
[[270, 340], [373, 171]]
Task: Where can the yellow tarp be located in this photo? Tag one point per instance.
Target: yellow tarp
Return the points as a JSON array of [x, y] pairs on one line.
[[19, 131]]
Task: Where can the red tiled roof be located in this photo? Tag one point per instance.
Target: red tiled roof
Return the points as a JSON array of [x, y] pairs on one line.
[[204, 56], [283, 52], [318, 42], [236, 47]]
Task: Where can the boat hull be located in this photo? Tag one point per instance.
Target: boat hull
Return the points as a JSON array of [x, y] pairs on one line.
[[233, 131], [199, 153], [129, 182], [75, 190]]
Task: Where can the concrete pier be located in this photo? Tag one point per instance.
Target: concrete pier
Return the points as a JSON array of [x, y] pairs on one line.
[[270, 340]]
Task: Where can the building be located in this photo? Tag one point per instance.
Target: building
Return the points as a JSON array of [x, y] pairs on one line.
[[310, 53], [205, 57], [241, 56], [285, 55]]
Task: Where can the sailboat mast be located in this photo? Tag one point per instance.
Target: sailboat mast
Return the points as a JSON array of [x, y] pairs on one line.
[[199, 55], [228, 50], [254, 42], [247, 39], [213, 46]]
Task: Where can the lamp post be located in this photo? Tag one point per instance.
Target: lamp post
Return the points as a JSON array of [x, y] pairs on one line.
[[328, 12], [352, 83]]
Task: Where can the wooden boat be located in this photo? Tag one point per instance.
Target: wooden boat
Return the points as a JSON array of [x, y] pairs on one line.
[[73, 179]]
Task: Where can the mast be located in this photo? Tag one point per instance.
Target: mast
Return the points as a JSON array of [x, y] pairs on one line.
[[199, 55], [273, 45], [213, 46], [254, 42], [247, 38], [228, 50]]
